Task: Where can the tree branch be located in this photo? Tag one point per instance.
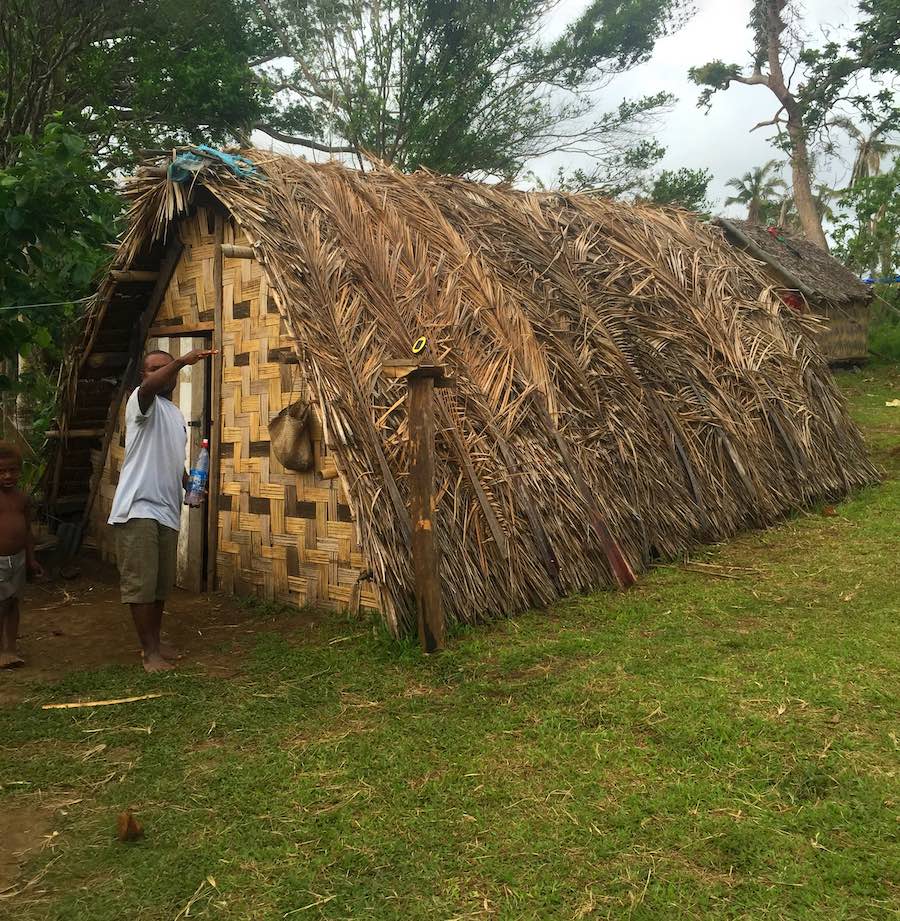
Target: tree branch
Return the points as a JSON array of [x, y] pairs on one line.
[[302, 142], [774, 121], [752, 80]]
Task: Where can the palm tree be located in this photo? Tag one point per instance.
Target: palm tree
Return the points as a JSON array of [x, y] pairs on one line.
[[787, 211], [871, 148], [757, 190]]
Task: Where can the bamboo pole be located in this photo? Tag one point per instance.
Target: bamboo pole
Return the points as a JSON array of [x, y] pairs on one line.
[[183, 329], [78, 705], [232, 251], [215, 410]]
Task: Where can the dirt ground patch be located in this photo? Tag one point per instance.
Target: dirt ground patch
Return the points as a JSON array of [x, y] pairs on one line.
[[80, 623], [24, 827]]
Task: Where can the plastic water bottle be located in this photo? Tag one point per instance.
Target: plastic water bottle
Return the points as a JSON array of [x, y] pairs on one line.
[[198, 478]]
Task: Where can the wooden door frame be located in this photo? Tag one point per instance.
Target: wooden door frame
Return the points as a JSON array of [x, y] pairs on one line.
[[211, 399]]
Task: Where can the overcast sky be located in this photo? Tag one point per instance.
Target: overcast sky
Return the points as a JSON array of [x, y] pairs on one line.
[[720, 141]]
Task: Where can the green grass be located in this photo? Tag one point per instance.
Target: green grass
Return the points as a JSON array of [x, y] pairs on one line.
[[717, 744]]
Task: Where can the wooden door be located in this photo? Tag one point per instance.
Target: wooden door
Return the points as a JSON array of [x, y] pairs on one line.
[[191, 396]]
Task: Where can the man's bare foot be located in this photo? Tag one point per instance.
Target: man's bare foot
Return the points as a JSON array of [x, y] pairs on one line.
[[10, 660], [168, 651], [156, 663]]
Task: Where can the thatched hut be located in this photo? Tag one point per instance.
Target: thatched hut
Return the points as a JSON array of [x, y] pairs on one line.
[[815, 281], [619, 371]]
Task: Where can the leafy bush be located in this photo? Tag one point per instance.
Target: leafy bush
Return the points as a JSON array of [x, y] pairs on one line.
[[884, 332]]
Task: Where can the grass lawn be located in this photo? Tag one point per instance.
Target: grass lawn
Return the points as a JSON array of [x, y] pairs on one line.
[[721, 741]]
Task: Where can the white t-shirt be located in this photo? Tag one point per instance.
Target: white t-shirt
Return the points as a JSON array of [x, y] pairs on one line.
[[150, 482]]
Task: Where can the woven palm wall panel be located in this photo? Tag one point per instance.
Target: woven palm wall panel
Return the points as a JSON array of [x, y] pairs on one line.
[[282, 534]]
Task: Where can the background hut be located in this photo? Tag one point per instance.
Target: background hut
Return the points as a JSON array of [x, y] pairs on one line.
[[626, 383], [830, 289]]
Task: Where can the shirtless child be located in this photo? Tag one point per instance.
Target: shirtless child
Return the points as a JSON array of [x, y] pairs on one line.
[[16, 551]]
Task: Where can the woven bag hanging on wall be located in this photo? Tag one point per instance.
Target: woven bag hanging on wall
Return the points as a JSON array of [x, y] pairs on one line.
[[290, 437]]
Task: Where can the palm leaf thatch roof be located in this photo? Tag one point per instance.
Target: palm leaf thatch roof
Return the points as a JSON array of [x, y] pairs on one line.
[[617, 365], [830, 282]]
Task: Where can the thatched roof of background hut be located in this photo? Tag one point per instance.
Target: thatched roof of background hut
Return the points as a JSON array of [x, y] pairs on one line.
[[830, 280], [614, 363]]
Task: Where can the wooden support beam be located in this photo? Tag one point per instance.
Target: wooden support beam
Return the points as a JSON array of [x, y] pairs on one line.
[[78, 433], [179, 329], [127, 276], [425, 553], [232, 251], [403, 368], [215, 409], [107, 360], [155, 172], [285, 356]]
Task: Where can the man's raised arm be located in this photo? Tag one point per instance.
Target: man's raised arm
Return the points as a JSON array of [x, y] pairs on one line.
[[162, 380]]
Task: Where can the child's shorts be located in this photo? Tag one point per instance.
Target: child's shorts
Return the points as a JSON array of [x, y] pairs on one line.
[[12, 575]]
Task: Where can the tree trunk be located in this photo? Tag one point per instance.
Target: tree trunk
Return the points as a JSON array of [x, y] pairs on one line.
[[804, 201], [810, 222]]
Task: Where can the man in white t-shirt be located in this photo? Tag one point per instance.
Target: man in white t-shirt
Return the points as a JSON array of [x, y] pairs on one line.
[[146, 511]]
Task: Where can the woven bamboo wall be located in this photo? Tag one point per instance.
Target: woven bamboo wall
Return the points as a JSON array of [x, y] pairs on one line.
[[847, 335], [282, 535]]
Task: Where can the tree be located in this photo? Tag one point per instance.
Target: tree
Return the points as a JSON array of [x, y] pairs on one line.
[[834, 70], [617, 174], [56, 213], [871, 148], [783, 213], [127, 75], [867, 232], [684, 188], [769, 24], [460, 87], [757, 189]]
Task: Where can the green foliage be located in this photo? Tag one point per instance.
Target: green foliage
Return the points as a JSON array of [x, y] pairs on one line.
[[884, 331], [613, 176], [867, 232], [463, 87], [684, 188], [714, 76], [834, 70], [129, 75], [56, 213]]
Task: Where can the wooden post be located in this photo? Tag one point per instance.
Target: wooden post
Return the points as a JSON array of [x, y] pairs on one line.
[[426, 561], [215, 410]]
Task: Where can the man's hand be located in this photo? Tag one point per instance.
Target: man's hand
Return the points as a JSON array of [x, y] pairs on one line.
[[35, 569], [196, 355]]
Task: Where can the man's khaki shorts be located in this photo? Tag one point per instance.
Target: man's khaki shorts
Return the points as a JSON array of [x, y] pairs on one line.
[[146, 553]]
